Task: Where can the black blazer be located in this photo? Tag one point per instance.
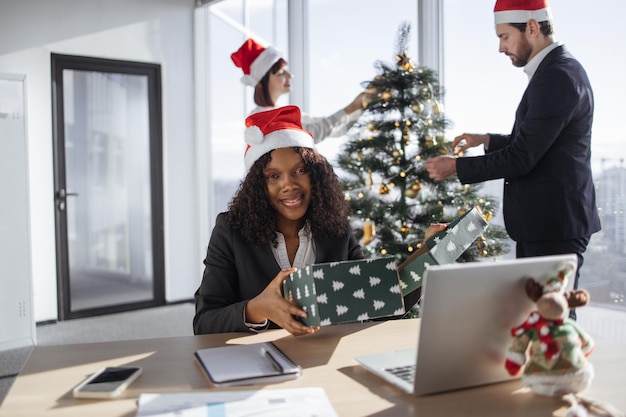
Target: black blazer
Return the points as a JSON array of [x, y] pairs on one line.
[[236, 271], [548, 189]]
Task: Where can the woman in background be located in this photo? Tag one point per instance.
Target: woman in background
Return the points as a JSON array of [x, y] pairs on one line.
[[266, 70]]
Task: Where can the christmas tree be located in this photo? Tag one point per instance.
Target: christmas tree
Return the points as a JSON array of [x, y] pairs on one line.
[[393, 200]]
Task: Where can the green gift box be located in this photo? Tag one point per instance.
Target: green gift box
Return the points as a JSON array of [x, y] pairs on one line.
[[359, 290], [443, 248], [348, 291]]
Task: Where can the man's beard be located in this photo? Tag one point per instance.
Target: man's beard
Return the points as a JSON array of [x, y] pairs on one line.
[[521, 59]]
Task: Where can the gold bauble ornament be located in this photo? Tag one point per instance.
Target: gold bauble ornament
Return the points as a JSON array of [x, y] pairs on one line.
[[386, 95], [383, 251], [481, 245], [384, 190], [417, 107], [437, 107], [414, 189], [396, 153], [405, 229], [369, 230], [488, 216]]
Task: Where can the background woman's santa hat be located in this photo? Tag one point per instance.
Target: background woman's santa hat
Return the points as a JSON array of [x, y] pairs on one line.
[[273, 129], [521, 11], [255, 60]]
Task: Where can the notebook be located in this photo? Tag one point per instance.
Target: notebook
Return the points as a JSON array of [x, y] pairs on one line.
[[468, 310], [256, 363]]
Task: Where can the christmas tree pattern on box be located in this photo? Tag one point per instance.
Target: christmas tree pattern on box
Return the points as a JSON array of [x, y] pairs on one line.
[[348, 291], [444, 247]]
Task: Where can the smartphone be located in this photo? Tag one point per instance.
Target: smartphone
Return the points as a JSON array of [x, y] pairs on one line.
[[108, 382]]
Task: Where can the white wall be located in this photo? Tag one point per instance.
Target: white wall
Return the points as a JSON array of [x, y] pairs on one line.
[[156, 31]]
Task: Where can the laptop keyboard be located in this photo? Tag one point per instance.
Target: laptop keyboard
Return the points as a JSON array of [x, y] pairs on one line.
[[406, 372]]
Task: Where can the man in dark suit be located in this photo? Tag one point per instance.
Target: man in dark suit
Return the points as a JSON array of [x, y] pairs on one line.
[[549, 197]]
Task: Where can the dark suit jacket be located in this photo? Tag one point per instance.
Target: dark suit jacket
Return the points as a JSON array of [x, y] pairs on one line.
[[548, 189], [236, 271]]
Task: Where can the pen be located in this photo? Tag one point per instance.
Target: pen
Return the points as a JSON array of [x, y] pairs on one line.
[[273, 361]]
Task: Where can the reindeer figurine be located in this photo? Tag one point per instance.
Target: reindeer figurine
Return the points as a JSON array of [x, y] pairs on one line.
[[557, 363]]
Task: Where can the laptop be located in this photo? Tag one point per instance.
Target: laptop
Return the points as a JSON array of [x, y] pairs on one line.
[[467, 312]]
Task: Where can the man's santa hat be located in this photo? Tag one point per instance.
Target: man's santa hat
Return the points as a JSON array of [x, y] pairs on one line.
[[273, 129], [255, 60], [521, 11]]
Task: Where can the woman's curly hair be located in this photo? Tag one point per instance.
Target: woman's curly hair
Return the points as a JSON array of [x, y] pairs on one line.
[[252, 215]]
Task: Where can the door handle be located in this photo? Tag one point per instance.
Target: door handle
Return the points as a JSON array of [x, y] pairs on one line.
[[61, 196]]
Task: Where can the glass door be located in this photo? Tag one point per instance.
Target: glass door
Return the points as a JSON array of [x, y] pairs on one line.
[[108, 188]]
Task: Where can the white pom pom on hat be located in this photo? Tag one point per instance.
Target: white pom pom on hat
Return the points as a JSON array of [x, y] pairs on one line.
[[273, 129], [521, 11], [253, 135], [255, 60]]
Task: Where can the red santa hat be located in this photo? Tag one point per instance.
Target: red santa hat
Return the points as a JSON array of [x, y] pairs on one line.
[[255, 60], [521, 11], [273, 129]]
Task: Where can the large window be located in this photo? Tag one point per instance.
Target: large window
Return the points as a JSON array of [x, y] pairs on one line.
[[345, 39], [341, 40], [228, 24]]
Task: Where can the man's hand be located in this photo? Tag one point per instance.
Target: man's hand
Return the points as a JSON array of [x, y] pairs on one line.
[[440, 167], [469, 140]]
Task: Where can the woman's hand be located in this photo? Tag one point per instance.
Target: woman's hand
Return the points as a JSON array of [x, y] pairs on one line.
[[433, 229], [271, 305], [361, 101]]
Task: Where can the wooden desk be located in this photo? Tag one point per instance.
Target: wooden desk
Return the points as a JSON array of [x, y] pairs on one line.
[[51, 372]]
